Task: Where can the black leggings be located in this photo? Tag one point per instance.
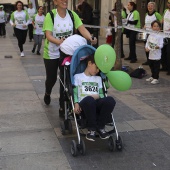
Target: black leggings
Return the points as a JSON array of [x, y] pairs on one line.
[[97, 112], [30, 30], [2, 29], [21, 37], [51, 66]]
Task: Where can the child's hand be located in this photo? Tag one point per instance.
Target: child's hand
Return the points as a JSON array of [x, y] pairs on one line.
[[77, 108], [95, 96]]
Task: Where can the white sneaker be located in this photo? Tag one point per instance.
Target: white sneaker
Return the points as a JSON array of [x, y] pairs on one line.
[[22, 54], [149, 79], [154, 81]]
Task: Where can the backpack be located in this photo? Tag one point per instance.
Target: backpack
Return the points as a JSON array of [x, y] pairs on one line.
[[71, 15], [138, 73]]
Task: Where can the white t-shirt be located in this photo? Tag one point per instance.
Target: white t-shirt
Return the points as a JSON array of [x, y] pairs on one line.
[[148, 20], [2, 17], [38, 21], [31, 13], [87, 85], [20, 18], [166, 26], [73, 42], [152, 42]]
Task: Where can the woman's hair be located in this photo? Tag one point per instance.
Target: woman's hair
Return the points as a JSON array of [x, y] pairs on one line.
[[18, 3], [152, 3], [134, 5], [39, 7], [156, 21]]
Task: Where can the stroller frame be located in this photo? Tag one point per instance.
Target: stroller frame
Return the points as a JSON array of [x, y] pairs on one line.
[[70, 115]]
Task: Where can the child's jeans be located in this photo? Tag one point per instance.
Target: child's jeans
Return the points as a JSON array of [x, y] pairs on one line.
[[97, 112]]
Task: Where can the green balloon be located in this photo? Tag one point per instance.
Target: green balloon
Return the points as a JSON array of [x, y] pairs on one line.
[[105, 57], [120, 80]]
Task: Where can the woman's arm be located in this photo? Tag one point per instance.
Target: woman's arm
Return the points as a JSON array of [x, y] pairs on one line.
[[50, 38], [85, 33]]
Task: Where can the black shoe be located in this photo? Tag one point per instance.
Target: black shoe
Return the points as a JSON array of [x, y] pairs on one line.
[[145, 63], [47, 99], [103, 134], [128, 58], [133, 61], [168, 73], [33, 50], [91, 135], [30, 40], [38, 53]]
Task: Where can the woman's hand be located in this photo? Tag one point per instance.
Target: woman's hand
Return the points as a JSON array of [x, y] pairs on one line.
[[93, 40], [14, 25], [77, 108], [24, 26]]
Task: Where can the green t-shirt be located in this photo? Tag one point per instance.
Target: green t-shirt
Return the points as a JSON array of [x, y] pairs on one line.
[[136, 16], [62, 28]]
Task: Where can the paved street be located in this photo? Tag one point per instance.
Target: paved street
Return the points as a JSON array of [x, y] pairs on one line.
[[30, 137]]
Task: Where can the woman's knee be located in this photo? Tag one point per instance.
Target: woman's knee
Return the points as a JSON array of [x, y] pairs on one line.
[[110, 100]]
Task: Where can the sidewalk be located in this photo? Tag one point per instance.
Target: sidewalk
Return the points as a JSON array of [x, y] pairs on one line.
[[30, 137]]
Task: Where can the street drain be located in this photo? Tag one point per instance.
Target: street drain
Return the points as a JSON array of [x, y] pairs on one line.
[[8, 56]]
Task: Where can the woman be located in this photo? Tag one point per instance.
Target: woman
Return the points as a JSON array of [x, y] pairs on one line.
[[133, 21], [20, 20], [151, 16], [55, 35], [31, 12], [3, 19], [113, 18], [37, 22]]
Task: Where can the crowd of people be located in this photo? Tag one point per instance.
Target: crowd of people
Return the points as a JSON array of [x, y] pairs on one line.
[[133, 20]]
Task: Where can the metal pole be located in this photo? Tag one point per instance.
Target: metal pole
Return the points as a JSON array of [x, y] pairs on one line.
[[96, 21]]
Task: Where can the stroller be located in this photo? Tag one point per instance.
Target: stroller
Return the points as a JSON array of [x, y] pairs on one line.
[[73, 65]]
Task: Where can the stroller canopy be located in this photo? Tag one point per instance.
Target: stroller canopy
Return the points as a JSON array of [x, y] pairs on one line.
[[78, 62]]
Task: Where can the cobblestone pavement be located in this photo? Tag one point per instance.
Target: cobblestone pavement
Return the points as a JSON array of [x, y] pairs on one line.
[[142, 116]]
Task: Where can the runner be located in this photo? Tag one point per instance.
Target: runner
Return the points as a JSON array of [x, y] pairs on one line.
[[31, 12], [19, 20], [37, 22], [3, 20]]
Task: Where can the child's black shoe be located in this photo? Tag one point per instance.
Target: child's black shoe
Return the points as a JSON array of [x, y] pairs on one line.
[[91, 135], [103, 134], [47, 99]]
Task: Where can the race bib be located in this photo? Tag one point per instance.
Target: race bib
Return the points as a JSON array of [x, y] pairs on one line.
[[90, 88]]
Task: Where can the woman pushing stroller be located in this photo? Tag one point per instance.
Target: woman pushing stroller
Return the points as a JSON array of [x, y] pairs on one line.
[[90, 102]]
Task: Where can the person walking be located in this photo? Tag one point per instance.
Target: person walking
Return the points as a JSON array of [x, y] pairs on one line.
[[165, 61], [31, 12], [133, 21], [19, 20], [85, 12], [113, 18], [3, 20], [153, 46], [56, 32], [150, 16], [38, 34]]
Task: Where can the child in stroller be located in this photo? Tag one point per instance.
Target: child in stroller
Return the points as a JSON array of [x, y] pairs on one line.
[[90, 102]]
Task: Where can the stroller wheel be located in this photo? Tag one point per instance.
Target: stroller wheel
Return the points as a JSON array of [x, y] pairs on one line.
[[73, 148], [63, 129], [111, 144], [119, 143], [82, 147]]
